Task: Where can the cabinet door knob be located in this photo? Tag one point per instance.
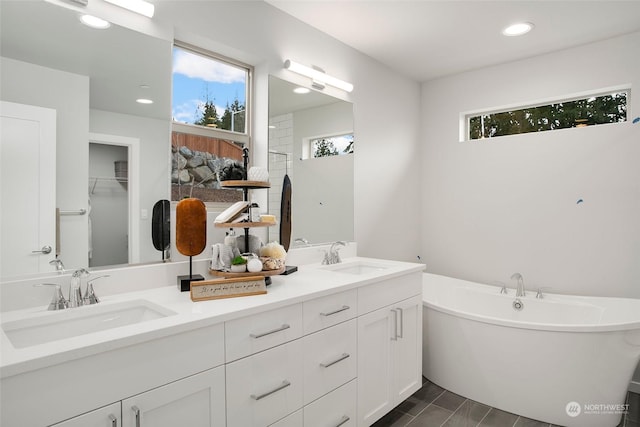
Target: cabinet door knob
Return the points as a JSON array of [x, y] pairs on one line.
[[395, 325], [138, 415]]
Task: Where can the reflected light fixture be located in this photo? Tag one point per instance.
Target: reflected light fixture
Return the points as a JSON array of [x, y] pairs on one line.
[[138, 6], [518, 29], [94, 22], [319, 77]]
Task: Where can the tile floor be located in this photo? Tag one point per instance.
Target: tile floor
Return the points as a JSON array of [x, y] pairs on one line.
[[433, 406]]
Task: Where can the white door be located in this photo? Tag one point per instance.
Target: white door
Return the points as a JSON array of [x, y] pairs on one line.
[[27, 189], [196, 401]]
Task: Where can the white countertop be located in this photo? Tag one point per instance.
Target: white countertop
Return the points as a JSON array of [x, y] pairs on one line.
[[310, 281]]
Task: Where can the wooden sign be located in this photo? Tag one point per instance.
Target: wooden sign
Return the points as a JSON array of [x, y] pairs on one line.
[[227, 288]]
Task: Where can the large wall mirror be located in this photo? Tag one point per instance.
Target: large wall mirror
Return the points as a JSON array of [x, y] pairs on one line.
[[322, 187], [104, 138]]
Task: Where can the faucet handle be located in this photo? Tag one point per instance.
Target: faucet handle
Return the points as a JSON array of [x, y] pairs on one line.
[[539, 294], [90, 296], [58, 302]]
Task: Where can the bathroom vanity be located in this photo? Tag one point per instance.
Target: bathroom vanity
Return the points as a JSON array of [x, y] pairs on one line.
[[329, 345]]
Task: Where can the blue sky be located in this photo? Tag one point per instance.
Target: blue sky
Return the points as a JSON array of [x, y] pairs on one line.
[[196, 77]]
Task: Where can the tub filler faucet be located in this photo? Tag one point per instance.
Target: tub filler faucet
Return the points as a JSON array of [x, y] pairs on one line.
[[520, 292]]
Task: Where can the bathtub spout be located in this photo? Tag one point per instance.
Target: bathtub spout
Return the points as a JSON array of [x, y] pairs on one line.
[[520, 292]]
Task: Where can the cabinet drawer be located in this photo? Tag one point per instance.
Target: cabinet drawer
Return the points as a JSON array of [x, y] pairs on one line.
[[330, 359], [265, 387], [327, 311], [293, 420], [377, 295], [336, 409], [251, 334]]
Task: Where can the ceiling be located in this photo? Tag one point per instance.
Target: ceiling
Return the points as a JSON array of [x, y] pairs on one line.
[[426, 39], [119, 73]]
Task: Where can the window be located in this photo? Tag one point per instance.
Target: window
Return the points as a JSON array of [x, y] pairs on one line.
[[210, 111], [331, 146], [582, 112]]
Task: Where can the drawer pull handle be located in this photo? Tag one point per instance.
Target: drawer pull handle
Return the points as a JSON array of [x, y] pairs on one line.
[[138, 415], [401, 322], [114, 420], [331, 313], [273, 331], [343, 420], [333, 362], [284, 384]]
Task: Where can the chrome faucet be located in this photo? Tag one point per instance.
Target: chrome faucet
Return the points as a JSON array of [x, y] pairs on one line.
[[57, 301], [90, 296], [520, 292], [333, 257], [58, 264], [75, 294]]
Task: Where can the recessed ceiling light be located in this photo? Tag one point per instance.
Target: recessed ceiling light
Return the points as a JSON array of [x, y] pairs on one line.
[[94, 22], [302, 90], [518, 29], [144, 101]]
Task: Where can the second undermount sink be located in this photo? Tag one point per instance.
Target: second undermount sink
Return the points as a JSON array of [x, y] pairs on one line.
[[74, 322], [355, 267]]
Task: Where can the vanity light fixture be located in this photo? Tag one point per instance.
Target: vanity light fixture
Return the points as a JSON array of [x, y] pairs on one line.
[[138, 6], [319, 77], [518, 29], [94, 22]]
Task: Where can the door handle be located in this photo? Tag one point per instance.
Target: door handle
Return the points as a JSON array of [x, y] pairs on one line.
[[45, 250]]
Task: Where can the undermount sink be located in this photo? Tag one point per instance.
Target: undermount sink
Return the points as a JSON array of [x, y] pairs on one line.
[[74, 322], [355, 267]]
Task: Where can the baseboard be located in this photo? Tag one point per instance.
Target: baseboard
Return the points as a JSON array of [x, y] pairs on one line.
[[634, 386]]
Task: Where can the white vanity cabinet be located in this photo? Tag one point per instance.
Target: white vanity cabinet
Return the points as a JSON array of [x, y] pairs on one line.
[[389, 347], [196, 401], [109, 416], [343, 354]]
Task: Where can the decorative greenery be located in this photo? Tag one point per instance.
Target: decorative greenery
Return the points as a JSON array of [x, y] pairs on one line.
[[239, 260]]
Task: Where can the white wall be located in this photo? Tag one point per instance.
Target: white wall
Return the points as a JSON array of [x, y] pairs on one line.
[[505, 205], [263, 36], [68, 94]]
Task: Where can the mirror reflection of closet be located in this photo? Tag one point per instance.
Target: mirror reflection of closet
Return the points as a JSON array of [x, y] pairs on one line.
[[109, 206]]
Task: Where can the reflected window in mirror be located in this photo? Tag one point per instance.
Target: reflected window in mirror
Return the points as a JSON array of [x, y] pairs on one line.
[[326, 146], [210, 127]]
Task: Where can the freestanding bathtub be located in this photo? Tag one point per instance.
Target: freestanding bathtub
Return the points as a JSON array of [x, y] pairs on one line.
[[565, 360]]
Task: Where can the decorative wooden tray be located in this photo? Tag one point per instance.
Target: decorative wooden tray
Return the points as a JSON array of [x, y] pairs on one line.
[[230, 274], [244, 224], [245, 184]]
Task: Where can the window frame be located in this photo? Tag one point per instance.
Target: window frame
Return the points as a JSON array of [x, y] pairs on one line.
[[243, 139], [465, 117]]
